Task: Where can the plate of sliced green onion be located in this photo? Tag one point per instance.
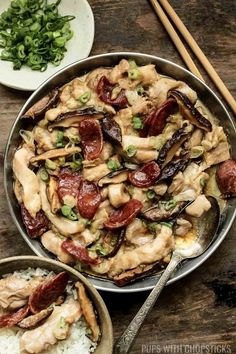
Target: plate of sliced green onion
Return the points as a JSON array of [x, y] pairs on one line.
[[39, 37]]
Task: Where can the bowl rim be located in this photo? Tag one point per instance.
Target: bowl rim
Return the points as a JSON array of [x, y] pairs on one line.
[[126, 54], [83, 280]]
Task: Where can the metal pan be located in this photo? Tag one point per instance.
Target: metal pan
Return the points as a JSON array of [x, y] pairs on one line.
[[165, 67]]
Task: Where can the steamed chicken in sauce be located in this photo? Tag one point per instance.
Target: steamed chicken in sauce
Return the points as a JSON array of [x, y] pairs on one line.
[[116, 166]]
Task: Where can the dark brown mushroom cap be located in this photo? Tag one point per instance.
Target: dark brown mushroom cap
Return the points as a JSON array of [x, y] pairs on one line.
[[72, 119], [40, 107], [189, 112], [174, 166], [119, 236], [156, 213], [111, 130], [138, 273], [172, 145]]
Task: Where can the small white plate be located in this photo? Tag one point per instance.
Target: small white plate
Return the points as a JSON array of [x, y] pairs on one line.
[[78, 47]]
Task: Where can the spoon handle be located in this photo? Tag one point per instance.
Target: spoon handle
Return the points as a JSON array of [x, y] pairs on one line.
[[124, 343]]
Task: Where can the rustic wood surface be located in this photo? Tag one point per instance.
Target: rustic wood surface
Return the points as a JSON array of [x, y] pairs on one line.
[[200, 309]]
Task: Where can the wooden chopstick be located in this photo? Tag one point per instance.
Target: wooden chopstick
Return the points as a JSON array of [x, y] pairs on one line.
[[198, 52], [175, 38]]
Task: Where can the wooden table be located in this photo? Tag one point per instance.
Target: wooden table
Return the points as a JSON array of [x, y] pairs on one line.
[[200, 309]]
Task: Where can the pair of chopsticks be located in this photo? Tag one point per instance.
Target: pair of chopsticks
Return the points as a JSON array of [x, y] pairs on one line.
[[193, 45]]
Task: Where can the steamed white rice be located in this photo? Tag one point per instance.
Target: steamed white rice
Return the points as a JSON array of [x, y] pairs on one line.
[[76, 343]]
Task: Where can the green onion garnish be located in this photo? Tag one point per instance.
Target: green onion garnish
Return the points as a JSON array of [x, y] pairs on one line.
[[137, 123], [44, 175], [131, 150], [113, 165], [50, 165], [85, 97], [67, 211], [33, 33], [134, 74], [150, 194]]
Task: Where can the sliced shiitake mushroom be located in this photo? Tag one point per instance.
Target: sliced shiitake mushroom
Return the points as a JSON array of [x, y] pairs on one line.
[[72, 119], [110, 243], [35, 320], [138, 273], [164, 210], [111, 130], [40, 107], [190, 112], [53, 154], [114, 177], [174, 166], [172, 145]]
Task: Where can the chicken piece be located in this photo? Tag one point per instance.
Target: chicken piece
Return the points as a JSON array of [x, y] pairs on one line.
[[55, 328], [148, 253], [149, 74], [118, 71], [93, 77], [217, 155], [53, 243], [117, 194], [107, 151], [198, 207], [145, 156], [14, 291], [64, 226], [196, 138], [52, 194], [158, 92], [137, 233], [53, 113], [27, 179], [182, 227], [160, 189], [45, 140], [88, 311], [212, 139], [101, 216], [18, 190], [124, 118], [188, 185], [97, 172]]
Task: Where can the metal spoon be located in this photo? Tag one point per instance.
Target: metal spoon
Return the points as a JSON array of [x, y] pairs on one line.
[[206, 227]]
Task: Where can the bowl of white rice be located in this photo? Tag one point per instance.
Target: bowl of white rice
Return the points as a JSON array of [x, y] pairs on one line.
[[79, 333]]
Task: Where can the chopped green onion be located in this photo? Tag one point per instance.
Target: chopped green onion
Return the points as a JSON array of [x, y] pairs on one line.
[[131, 150], [50, 165], [44, 175], [33, 33], [101, 250], [168, 224], [134, 74], [170, 205], [113, 165], [85, 97], [153, 226], [140, 90], [150, 194], [59, 139], [77, 162], [67, 211], [137, 123]]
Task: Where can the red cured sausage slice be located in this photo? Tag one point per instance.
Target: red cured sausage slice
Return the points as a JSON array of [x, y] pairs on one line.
[[34, 226], [68, 183], [226, 178], [78, 252], [91, 138], [12, 319], [124, 215], [104, 90], [145, 176], [89, 199], [155, 121], [47, 292]]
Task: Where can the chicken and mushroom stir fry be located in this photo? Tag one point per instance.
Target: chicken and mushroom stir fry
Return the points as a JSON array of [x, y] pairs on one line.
[[42, 309], [116, 167]]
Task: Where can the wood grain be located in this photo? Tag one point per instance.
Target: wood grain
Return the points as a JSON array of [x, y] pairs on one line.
[[200, 309]]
